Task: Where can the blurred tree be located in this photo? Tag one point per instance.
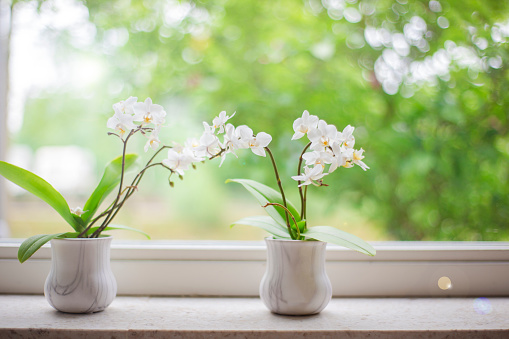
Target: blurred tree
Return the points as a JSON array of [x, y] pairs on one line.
[[424, 82]]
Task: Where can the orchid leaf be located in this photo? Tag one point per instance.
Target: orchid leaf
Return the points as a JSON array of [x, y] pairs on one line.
[[338, 237], [120, 227], [109, 181], [265, 194], [32, 244], [301, 224], [41, 189], [266, 223]]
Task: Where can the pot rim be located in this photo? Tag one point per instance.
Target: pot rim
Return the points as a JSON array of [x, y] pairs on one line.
[[102, 237], [295, 241]]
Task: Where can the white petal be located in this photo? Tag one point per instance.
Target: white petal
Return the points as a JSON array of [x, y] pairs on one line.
[[140, 110], [322, 126], [314, 134], [299, 177], [297, 135], [332, 131], [112, 122], [312, 121], [258, 151], [297, 123], [223, 156], [157, 109], [333, 166], [244, 132], [263, 139]]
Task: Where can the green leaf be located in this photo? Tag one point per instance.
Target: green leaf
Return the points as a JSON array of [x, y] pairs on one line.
[[265, 194], [338, 237], [120, 227], [302, 225], [109, 180], [266, 223], [41, 189], [32, 244]]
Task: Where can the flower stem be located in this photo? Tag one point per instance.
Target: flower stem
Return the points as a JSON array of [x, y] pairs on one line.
[[293, 219], [280, 187], [108, 218], [304, 205], [130, 190], [302, 195]]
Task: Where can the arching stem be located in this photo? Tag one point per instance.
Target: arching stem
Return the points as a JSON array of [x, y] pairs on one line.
[[279, 185], [302, 195], [294, 221]]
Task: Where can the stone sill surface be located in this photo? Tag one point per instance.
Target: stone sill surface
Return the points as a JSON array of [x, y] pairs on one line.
[[30, 316]]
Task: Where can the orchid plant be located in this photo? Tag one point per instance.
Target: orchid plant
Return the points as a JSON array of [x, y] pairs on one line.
[[326, 147], [327, 151], [130, 118]]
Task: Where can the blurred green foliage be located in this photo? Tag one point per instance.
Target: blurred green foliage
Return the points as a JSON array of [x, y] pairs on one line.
[[438, 147]]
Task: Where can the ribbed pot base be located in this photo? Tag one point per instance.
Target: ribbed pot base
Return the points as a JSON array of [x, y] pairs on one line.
[[295, 282], [80, 280]]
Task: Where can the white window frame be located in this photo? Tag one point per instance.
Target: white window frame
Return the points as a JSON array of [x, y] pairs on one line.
[[235, 268]]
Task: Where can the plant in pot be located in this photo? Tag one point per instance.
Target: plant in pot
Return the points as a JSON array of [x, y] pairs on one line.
[[295, 282], [80, 280]]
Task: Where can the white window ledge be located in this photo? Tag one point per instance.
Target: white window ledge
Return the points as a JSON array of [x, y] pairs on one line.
[[160, 317], [222, 268]]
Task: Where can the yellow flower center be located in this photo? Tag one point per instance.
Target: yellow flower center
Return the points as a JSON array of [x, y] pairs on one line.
[[120, 129]]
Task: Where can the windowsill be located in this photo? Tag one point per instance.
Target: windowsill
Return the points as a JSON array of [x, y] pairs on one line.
[[161, 317], [222, 268]]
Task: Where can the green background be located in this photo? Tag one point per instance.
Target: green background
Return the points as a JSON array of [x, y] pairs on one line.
[[438, 150]]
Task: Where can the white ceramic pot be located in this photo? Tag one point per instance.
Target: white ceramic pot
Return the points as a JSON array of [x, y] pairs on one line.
[[295, 282], [80, 280]]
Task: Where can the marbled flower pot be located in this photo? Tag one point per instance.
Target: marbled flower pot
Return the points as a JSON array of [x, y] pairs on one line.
[[295, 282], [80, 280]]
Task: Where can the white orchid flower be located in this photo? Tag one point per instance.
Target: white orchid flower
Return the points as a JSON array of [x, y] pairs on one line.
[[340, 156], [209, 146], [126, 106], [259, 142], [323, 136], [346, 137], [310, 175], [245, 134], [232, 139], [149, 113], [231, 142], [357, 159], [77, 211], [192, 144], [348, 154], [179, 162], [121, 122], [179, 148], [220, 121], [153, 139], [208, 128], [303, 125], [317, 158]]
